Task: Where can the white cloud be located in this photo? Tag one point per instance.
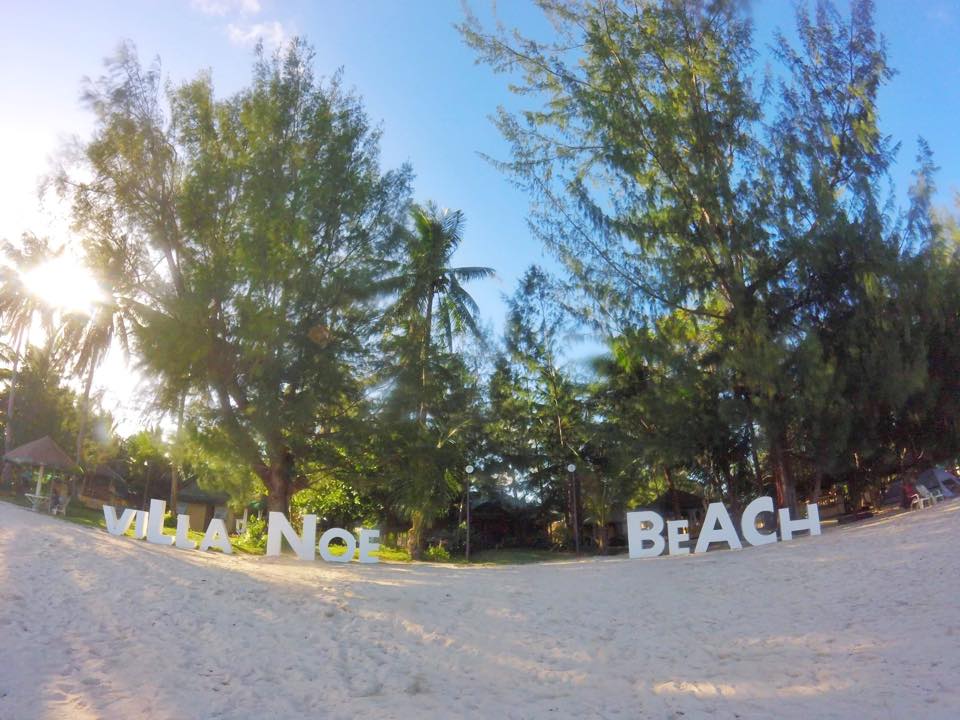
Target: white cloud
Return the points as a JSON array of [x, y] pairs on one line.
[[273, 34], [221, 8]]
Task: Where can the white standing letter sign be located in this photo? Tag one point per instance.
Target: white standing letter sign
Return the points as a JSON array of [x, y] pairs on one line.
[[748, 523], [114, 526], [788, 527], [347, 538], [217, 537], [645, 529], [279, 527], [369, 545], [140, 525], [717, 527], [158, 509], [676, 534], [149, 526], [637, 535], [182, 539]]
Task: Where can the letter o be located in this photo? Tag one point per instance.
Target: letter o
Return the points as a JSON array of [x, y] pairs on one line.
[[324, 545]]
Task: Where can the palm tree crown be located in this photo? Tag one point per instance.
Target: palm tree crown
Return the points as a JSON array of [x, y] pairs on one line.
[[19, 306], [429, 290], [432, 290]]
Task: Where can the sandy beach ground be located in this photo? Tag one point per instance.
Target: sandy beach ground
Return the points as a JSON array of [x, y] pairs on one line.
[[861, 622]]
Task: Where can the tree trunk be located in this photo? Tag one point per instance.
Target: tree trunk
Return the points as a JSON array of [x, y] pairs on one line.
[[82, 428], [786, 490], [415, 534], [675, 501], [424, 359], [174, 470], [146, 492], [276, 478], [757, 470], [733, 500], [23, 338], [817, 486]]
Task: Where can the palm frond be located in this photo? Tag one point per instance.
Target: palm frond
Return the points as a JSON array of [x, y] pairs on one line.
[[466, 274]]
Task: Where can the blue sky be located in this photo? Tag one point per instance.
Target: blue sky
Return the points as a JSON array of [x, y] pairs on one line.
[[418, 80]]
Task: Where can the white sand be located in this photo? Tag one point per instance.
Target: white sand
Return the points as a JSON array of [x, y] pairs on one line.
[[862, 622]]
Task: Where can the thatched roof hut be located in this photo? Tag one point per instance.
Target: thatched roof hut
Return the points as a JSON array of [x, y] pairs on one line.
[[42, 453]]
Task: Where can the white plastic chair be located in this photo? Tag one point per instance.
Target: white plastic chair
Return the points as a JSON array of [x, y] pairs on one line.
[[61, 508]]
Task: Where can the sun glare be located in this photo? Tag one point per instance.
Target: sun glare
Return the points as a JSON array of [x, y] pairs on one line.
[[64, 284]]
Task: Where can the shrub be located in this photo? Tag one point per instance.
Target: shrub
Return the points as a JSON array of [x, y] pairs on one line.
[[256, 533], [437, 553]]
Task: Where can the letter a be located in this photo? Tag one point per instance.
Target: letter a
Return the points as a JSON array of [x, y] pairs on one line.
[[717, 527], [216, 536]]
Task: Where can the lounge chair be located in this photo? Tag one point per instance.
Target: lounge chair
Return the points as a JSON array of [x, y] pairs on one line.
[[929, 497]]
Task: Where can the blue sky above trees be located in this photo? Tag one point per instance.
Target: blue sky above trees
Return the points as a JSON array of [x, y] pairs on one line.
[[417, 79]]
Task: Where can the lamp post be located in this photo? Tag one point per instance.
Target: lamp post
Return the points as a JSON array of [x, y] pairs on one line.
[[469, 470], [146, 483], [574, 513], [173, 482]]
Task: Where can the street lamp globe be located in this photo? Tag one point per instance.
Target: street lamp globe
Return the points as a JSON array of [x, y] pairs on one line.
[[469, 469], [571, 467]]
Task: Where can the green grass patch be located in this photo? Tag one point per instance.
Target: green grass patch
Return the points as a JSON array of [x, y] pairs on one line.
[[514, 556], [386, 554], [389, 554], [84, 516], [80, 515]]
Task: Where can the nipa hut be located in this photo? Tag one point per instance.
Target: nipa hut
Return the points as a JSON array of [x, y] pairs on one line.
[[43, 454]]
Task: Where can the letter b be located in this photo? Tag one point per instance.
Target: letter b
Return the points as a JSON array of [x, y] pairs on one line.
[[637, 535]]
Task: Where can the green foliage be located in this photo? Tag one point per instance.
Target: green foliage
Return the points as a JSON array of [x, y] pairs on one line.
[[431, 417], [731, 244], [257, 226], [47, 406], [392, 555], [770, 320], [437, 553], [147, 466], [255, 534], [19, 308], [336, 503]]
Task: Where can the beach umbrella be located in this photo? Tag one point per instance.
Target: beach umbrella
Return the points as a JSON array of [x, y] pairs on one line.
[[43, 453]]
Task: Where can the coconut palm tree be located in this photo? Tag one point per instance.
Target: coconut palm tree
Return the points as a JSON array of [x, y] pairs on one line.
[[88, 338], [430, 298], [19, 307], [430, 292]]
